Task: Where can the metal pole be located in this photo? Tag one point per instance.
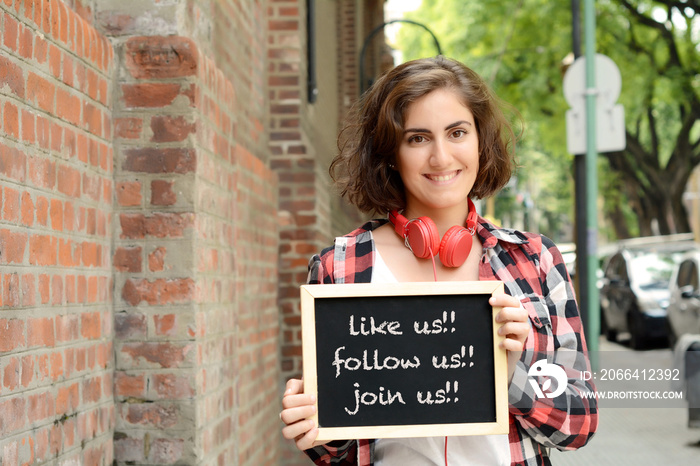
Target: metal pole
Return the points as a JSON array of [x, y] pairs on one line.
[[580, 192], [591, 182]]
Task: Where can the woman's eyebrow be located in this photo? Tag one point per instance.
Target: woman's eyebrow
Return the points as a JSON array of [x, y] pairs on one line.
[[450, 126], [416, 130], [457, 123]]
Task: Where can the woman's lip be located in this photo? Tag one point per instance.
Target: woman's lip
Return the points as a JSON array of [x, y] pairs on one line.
[[442, 177]]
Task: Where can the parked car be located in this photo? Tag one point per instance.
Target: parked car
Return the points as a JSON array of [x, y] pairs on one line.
[[684, 300], [634, 294]]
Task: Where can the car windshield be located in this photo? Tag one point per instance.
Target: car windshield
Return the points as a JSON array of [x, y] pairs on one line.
[[653, 270]]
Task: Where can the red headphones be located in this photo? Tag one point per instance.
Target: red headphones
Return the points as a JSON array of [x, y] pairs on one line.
[[422, 238]]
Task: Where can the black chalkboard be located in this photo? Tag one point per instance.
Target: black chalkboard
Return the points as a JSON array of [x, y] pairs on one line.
[[403, 360]]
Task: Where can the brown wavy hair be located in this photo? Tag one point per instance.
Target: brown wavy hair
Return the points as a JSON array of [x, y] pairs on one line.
[[363, 169]]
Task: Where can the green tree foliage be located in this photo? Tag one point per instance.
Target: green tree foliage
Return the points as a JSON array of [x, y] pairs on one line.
[[520, 48], [655, 43]]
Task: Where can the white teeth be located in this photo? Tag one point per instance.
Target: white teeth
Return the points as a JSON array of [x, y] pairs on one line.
[[442, 177]]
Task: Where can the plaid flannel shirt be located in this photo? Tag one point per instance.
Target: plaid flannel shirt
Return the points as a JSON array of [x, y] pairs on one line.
[[532, 269]]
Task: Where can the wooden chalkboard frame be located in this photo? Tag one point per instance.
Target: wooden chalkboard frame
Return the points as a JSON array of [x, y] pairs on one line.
[[311, 293]]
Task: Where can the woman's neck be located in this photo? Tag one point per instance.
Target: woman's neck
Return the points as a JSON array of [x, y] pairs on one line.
[[444, 218]]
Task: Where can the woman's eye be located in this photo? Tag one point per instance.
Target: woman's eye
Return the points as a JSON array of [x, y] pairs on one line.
[[458, 133], [417, 139]]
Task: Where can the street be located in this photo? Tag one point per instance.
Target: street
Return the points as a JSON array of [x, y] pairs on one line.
[[638, 435]]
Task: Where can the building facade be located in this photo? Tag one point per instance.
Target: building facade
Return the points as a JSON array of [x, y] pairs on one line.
[[163, 182]]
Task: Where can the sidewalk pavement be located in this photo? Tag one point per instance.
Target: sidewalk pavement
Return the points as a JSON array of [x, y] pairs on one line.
[[638, 436]]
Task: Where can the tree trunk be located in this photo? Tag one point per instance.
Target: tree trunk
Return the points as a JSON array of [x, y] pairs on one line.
[[680, 214], [617, 218]]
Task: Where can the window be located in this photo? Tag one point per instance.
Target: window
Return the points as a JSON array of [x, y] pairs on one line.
[[688, 274]]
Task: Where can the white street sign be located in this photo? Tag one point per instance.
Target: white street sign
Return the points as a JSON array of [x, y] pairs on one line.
[[610, 117]]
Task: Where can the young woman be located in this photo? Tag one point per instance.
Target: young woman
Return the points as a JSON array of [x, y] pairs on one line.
[[429, 136]]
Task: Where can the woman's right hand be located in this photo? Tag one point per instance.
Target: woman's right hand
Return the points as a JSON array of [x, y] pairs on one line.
[[297, 409]]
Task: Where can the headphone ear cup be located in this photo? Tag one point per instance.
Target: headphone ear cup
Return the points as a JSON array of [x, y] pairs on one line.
[[455, 246], [423, 237]]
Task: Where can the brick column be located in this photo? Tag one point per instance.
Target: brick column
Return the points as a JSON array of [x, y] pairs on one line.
[[155, 288], [195, 252]]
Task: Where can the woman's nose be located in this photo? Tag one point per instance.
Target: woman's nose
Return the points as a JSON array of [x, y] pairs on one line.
[[439, 154]]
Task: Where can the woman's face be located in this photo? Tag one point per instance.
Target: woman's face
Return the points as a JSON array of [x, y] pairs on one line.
[[438, 158]]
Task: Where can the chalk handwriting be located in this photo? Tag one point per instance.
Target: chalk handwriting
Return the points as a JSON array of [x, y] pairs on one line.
[[435, 327], [383, 328], [441, 396], [370, 398], [370, 363], [456, 360]]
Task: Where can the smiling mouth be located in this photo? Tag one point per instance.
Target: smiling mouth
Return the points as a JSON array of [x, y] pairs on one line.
[[446, 177]]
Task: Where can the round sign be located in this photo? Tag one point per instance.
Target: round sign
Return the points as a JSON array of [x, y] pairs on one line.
[[608, 82]]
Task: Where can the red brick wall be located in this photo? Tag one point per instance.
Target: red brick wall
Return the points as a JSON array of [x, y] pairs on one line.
[[309, 212], [236, 260], [303, 224], [355, 22], [293, 159], [238, 46], [55, 236], [163, 182], [310, 215]]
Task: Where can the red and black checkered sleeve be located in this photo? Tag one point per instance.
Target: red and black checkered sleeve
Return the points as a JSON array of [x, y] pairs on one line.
[[340, 453], [321, 268], [567, 421], [354, 259]]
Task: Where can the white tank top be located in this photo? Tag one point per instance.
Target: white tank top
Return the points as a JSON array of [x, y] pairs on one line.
[[474, 450]]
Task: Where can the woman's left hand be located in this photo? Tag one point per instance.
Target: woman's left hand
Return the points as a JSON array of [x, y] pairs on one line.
[[514, 328]]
